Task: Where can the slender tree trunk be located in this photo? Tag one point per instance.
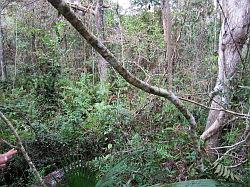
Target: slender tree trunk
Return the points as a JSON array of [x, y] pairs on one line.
[[233, 35], [3, 71], [102, 64], [120, 32], [166, 22], [33, 41], [3, 67]]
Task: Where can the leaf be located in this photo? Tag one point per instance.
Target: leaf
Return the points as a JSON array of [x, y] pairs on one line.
[[232, 176], [237, 177], [229, 172], [218, 168], [110, 146], [221, 171], [226, 172]]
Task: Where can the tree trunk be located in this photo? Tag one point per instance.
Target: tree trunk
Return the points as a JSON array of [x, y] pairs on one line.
[[3, 71], [102, 64], [33, 40], [166, 22], [3, 68], [233, 35]]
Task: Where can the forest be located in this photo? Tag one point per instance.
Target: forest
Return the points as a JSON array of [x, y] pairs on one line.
[[124, 93]]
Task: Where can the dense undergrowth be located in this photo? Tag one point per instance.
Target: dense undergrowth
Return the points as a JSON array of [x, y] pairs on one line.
[[95, 121], [137, 139]]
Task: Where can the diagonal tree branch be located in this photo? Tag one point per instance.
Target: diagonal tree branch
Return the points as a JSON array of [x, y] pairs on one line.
[[93, 41], [24, 152], [67, 12]]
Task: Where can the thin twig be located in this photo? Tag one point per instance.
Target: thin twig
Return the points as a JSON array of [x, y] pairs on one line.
[[8, 143], [230, 146], [239, 164], [245, 116]]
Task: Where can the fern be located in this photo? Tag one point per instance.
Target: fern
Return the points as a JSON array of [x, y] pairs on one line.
[[225, 172]]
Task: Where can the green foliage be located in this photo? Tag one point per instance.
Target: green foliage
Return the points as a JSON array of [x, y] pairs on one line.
[[225, 172], [200, 182], [128, 137], [145, 24], [79, 175], [138, 167]]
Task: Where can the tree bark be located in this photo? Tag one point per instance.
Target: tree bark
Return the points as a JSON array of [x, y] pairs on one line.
[[102, 64], [233, 36], [3, 70], [166, 22]]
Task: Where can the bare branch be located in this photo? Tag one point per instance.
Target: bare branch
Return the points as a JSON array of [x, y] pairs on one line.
[[239, 164], [230, 146], [24, 152], [226, 153], [82, 8], [8, 143], [245, 116]]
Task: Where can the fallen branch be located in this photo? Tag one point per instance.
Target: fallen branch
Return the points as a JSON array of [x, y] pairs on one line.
[[24, 152]]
